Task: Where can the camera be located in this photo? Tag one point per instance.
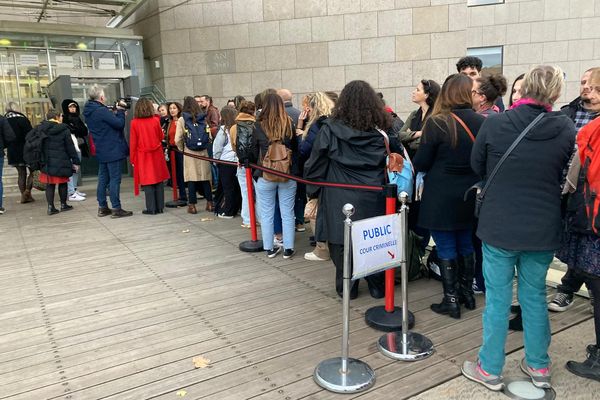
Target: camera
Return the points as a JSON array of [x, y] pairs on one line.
[[124, 102]]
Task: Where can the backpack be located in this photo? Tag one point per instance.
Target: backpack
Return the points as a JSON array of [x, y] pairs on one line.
[[33, 149], [243, 140], [399, 170], [196, 135], [588, 143], [433, 265], [279, 158]]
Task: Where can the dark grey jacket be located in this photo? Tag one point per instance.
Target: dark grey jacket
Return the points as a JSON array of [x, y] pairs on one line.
[[521, 210]]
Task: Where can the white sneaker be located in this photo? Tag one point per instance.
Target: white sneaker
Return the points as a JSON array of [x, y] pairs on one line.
[[77, 192], [277, 242], [76, 197], [313, 257]]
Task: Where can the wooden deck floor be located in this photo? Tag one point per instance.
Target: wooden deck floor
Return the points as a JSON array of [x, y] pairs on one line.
[[100, 308]]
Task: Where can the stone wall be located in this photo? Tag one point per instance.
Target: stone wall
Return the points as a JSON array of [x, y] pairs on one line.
[[229, 47]]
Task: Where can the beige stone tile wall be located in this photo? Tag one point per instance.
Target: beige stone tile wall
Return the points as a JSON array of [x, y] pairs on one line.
[[229, 47]]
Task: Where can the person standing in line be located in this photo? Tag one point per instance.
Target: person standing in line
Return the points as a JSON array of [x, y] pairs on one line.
[[581, 111], [6, 136], [515, 91], [196, 172], [59, 160], [471, 66], [78, 132], [21, 126], [241, 140], [275, 128], [147, 157], [171, 128], [444, 155], [107, 127], [487, 89], [223, 150], [520, 222]]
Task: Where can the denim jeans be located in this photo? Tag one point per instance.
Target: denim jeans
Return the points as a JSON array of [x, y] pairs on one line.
[[451, 244], [499, 271], [1, 168], [72, 184], [109, 176], [266, 193]]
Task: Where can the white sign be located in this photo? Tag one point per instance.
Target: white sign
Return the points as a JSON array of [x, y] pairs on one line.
[[107, 63], [30, 60], [376, 244], [64, 62]]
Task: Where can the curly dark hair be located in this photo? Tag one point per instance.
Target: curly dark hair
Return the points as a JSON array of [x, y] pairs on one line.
[[492, 86], [432, 88], [469, 61], [360, 108]]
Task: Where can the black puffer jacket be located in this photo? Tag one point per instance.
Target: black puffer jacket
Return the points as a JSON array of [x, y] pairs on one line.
[[343, 155], [522, 207], [6, 134], [76, 125], [21, 127], [59, 152]]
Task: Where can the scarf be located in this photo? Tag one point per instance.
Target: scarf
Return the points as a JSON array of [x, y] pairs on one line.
[[523, 101]]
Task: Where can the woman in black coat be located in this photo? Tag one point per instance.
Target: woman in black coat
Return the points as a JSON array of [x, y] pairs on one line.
[[72, 118], [59, 160], [21, 127], [349, 149], [444, 155]]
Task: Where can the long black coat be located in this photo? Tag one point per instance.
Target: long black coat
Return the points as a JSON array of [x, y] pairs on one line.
[[343, 155], [521, 210], [6, 134], [449, 173], [21, 127], [59, 152]]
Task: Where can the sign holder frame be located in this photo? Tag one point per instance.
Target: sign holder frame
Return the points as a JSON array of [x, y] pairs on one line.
[[405, 345], [344, 374]]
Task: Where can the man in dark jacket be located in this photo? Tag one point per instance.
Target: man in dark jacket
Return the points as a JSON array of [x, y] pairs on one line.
[[6, 136], [111, 149], [581, 112], [292, 111]]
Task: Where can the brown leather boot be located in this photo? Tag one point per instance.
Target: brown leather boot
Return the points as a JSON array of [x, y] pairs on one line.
[[29, 196], [26, 197], [209, 206], [192, 209]]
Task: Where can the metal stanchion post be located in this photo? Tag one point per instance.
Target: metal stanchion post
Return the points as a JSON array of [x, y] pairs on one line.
[[253, 245], [388, 317], [343, 374], [414, 346]]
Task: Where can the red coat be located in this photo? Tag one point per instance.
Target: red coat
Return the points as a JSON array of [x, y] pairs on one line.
[[146, 153]]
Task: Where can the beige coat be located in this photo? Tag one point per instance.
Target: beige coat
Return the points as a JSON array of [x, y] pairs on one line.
[[194, 170]]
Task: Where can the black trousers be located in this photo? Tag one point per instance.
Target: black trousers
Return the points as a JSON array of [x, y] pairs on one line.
[[231, 190], [593, 285], [571, 282], [193, 186], [155, 197]]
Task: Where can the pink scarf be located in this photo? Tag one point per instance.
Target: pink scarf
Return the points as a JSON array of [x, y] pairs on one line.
[[521, 102]]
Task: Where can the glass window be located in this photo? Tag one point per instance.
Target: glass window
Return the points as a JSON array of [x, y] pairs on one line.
[[491, 58], [472, 3]]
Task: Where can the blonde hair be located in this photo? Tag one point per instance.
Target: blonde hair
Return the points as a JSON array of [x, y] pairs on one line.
[[320, 105], [543, 83]]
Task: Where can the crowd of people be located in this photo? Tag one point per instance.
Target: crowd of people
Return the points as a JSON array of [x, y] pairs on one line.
[[500, 190]]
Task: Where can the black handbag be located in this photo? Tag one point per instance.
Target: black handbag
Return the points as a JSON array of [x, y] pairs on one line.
[[480, 188]]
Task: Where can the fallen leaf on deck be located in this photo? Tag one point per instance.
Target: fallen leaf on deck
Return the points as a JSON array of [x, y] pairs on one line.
[[200, 362], [206, 219], [185, 231], [181, 393]]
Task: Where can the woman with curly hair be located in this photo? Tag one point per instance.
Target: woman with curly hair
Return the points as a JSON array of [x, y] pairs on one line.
[[349, 149], [486, 90]]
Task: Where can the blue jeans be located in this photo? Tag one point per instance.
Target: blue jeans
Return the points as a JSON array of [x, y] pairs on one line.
[[1, 168], [266, 193], [109, 176], [451, 244], [499, 271]]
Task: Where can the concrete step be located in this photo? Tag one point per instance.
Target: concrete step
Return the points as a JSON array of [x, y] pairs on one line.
[[9, 178]]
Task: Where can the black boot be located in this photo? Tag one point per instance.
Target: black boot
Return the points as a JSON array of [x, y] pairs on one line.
[[52, 210], [376, 283], [590, 368], [449, 304], [466, 273]]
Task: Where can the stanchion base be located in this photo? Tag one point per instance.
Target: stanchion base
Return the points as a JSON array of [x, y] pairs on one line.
[[521, 388], [359, 377], [251, 246], [378, 318], [175, 204], [419, 346]]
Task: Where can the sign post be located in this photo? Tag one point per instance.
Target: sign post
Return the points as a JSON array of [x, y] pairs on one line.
[[389, 317], [344, 374], [408, 346]]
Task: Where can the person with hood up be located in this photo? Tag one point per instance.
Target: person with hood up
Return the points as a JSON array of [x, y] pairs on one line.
[[111, 149], [72, 118], [21, 126], [59, 160], [349, 149]]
